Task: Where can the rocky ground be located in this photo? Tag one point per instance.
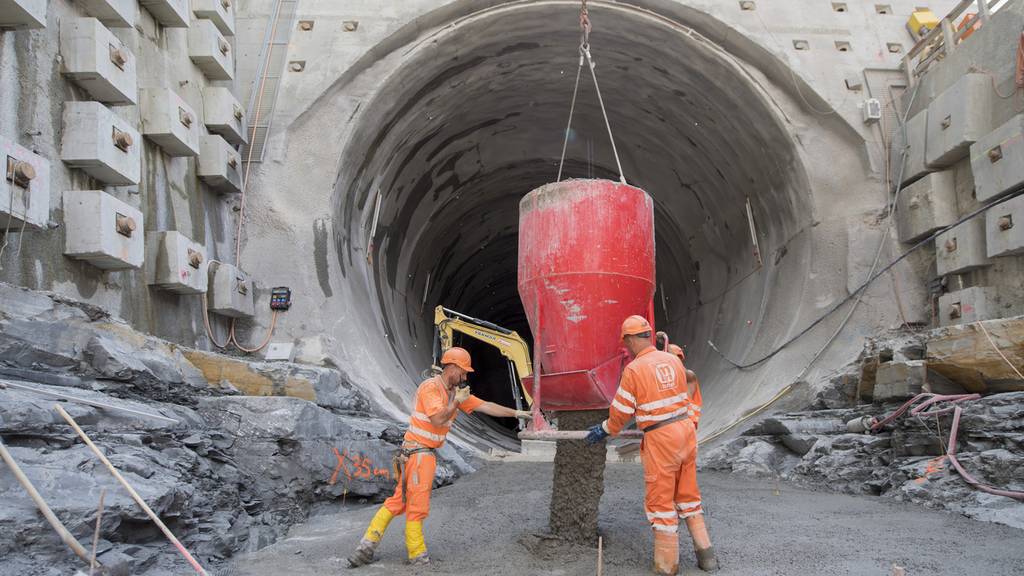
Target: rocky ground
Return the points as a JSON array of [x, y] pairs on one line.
[[494, 522], [255, 447], [233, 474], [906, 460]]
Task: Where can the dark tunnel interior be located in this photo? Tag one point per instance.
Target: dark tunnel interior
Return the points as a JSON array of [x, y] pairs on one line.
[[474, 121]]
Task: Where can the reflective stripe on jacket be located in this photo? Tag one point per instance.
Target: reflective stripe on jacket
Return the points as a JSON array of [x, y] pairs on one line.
[[431, 398], [652, 389]]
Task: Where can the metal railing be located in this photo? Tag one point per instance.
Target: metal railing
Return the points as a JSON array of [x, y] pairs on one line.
[[944, 38]]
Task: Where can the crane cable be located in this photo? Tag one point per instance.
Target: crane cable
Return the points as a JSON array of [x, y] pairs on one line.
[[584, 50]]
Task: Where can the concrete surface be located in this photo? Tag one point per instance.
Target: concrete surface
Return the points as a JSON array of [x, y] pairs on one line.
[[486, 524]]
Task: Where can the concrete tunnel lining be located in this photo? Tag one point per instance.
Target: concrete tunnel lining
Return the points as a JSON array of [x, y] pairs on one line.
[[474, 119]]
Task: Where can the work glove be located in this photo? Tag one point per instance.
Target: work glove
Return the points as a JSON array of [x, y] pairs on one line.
[[461, 394], [524, 415], [596, 434]]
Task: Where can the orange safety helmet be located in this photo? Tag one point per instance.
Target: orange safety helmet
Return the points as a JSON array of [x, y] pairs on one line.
[[675, 349], [635, 325], [457, 356]]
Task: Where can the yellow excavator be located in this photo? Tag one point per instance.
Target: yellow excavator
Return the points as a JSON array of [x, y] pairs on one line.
[[508, 342]]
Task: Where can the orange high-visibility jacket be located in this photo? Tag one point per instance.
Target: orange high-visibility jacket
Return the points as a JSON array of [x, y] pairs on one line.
[[652, 389], [431, 398]]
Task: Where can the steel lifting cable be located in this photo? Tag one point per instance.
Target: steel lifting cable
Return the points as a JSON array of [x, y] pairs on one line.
[[584, 49]]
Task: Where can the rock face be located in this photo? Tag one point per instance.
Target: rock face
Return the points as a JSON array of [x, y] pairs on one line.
[[234, 473], [906, 461]]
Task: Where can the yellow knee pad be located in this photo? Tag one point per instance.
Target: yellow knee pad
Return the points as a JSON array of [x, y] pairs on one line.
[[414, 542], [378, 525]]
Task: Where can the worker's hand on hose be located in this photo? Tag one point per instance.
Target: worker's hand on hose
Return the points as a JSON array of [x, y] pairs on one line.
[[461, 394], [524, 415], [596, 434]]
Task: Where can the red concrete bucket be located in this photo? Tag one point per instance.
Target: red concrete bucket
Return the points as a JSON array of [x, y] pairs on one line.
[[586, 262]]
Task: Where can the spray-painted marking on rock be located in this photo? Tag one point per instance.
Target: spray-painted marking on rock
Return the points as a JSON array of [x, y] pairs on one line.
[[358, 467]]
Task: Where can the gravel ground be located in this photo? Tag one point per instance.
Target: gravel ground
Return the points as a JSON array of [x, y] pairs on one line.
[[493, 522]]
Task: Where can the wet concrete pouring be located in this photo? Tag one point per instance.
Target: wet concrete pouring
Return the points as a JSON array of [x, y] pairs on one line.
[[496, 522], [578, 480]]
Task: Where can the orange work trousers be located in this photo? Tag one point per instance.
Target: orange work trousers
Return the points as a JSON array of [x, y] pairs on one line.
[[412, 495], [669, 456]]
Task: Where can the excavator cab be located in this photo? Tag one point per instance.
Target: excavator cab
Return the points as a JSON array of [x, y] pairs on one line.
[[509, 343]]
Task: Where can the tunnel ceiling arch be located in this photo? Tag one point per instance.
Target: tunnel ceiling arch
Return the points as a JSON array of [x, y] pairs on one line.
[[473, 119]]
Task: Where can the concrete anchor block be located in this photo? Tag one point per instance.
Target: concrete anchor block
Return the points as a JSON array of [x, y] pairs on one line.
[[997, 160], [100, 143], [102, 230], [961, 249], [219, 165], [210, 51], [900, 380], [169, 121], [22, 14], [24, 187], [175, 263], [1004, 229], [112, 13], [220, 12], [906, 157], [966, 306], [169, 13], [224, 115], [958, 118], [231, 291], [96, 60], [926, 205]]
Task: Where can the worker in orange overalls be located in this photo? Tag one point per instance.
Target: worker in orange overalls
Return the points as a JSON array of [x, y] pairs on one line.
[[437, 401], [692, 385], [653, 390]]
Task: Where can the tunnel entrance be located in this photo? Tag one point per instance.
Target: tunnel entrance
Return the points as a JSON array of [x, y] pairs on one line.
[[472, 118]]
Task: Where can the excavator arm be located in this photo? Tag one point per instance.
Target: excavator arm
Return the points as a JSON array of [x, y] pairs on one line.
[[508, 342]]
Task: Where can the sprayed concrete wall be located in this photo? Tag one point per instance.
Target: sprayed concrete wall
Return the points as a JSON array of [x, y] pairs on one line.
[[432, 118], [449, 112], [169, 194]]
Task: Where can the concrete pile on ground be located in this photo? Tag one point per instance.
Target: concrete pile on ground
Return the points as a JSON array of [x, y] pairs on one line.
[[906, 460], [232, 475]]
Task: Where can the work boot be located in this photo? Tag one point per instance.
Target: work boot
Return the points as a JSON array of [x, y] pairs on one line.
[[666, 553], [706, 559], [363, 554], [421, 560]]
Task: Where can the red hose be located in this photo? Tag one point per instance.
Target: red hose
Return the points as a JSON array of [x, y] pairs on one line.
[[954, 399]]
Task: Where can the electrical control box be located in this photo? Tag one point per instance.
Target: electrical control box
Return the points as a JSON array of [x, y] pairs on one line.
[[24, 187], [169, 121], [926, 205], [101, 143], [1004, 228], [231, 291], [219, 165], [112, 13], [96, 60], [175, 263], [908, 151], [224, 115], [962, 248], [280, 298], [22, 14], [210, 51], [958, 118], [966, 306], [169, 13], [102, 230], [220, 12], [997, 160]]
